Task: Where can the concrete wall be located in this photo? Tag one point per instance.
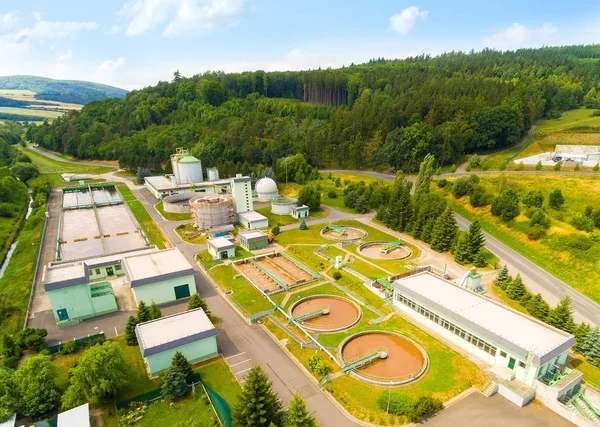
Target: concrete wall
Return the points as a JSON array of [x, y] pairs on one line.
[[514, 397], [78, 302], [194, 352], [162, 292], [242, 196], [221, 254], [94, 275]]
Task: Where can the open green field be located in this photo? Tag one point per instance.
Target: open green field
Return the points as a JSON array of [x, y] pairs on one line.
[[143, 217], [275, 219], [51, 166], [31, 112], [9, 93], [246, 296], [9, 226], [558, 252], [183, 231]]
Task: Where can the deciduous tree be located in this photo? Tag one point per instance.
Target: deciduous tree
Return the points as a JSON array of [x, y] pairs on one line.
[[35, 383]]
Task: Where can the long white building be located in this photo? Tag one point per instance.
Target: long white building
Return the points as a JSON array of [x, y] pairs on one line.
[[506, 339]]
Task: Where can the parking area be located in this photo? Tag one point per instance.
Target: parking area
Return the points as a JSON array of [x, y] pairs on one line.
[[496, 411], [240, 364]]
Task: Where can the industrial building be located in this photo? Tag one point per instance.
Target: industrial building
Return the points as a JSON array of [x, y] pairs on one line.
[[300, 212], [253, 240], [266, 189], [91, 287], [211, 211], [518, 348], [190, 332], [568, 155], [221, 248], [253, 220]]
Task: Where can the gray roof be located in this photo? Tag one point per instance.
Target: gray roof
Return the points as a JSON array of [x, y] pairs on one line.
[[254, 236], [492, 321], [300, 208], [220, 243], [156, 267], [171, 332]]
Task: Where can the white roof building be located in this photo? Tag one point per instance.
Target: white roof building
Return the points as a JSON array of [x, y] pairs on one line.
[[266, 189], [156, 266], [76, 417]]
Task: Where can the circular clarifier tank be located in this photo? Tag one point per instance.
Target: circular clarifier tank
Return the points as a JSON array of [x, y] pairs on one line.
[[384, 251], [326, 313], [344, 233], [384, 357]]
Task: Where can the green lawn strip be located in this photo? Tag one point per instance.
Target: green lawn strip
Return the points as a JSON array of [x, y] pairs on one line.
[[9, 227], [365, 269], [143, 217], [579, 271], [206, 259], [295, 235], [332, 252], [356, 286], [243, 293], [337, 203], [275, 219], [591, 373], [198, 239], [306, 255], [169, 216], [16, 282], [47, 165]]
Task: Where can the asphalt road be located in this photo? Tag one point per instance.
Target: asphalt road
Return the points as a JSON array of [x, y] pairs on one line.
[[536, 278], [60, 159]]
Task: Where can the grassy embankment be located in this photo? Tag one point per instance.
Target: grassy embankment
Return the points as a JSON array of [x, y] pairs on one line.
[[143, 217], [169, 216], [559, 252], [10, 226], [186, 230]]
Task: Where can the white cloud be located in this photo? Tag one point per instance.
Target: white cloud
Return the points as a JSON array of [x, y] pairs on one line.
[[42, 32], [65, 57], [8, 22], [180, 17], [112, 65], [518, 35], [407, 19]]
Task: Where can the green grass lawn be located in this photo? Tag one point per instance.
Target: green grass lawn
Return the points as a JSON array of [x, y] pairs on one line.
[[9, 227], [243, 293], [306, 255], [576, 267], [356, 286], [51, 166], [143, 217], [276, 219], [591, 373], [333, 252], [169, 216], [183, 229]]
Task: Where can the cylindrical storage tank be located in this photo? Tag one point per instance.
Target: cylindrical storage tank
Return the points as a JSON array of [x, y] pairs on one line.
[[266, 189], [190, 170], [213, 174], [212, 210], [178, 203], [283, 205]]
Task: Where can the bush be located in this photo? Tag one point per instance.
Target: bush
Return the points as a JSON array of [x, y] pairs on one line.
[[480, 197], [424, 407], [582, 222], [506, 205], [399, 404], [337, 275], [7, 210], [331, 194], [32, 338], [536, 232], [317, 365], [442, 183], [579, 242], [595, 237], [556, 199], [553, 114], [538, 166], [475, 161], [596, 113], [69, 347], [276, 230], [557, 166], [534, 198], [11, 362], [464, 185], [539, 218]]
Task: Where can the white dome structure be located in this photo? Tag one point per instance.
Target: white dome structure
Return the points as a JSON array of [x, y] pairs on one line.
[[266, 189]]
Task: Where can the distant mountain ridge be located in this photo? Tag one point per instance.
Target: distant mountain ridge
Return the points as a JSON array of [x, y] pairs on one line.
[[69, 91]]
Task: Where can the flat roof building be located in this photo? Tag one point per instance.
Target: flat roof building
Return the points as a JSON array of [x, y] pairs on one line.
[[190, 332], [253, 240], [76, 417], [253, 220], [492, 332], [221, 247]]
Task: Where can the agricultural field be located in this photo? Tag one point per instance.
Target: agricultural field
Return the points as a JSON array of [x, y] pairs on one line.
[[570, 254]]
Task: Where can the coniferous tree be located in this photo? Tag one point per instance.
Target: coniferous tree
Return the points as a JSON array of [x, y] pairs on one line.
[[516, 289], [581, 332], [525, 299], [196, 301], [398, 212], [130, 336], [143, 312], [591, 348], [502, 277], [538, 307], [174, 383], [480, 260], [561, 316], [154, 311], [424, 178], [258, 405], [475, 239], [444, 232], [556, 199], [297, 414], [428, 230], [303, 225], [181, 363], [461, 250]]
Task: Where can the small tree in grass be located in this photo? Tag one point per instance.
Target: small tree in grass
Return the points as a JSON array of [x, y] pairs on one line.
[[480, 260], [174, 383], [424, 407], [581, 333], [303, 225], [196, 302], [556, 199], [561, 316], [276, 230], [516, 289], [130, 336], [502, 277], [538, 166], [297, 414], [180, 363], [258, 405], [154, 311], [318, 365], [557, 166], [143, 312]]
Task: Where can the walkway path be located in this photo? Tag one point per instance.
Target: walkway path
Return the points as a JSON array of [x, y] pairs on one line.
[[537, 279]]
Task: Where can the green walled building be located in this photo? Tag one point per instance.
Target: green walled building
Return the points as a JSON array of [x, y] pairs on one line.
[[221, 248], [189, 332], [78, 290], [254, 240]]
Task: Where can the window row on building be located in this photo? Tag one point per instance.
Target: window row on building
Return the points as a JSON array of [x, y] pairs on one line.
[[451, 327]]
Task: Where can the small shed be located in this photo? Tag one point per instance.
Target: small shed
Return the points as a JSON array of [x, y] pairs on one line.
[[221, 248], [190, 332], [299, 212], [254, 240], [253, 220], [76, 417]]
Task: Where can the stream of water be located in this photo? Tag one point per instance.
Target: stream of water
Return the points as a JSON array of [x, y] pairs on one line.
[[12, 248]]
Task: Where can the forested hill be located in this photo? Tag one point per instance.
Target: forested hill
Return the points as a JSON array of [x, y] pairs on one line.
[[69, 91], [391, 112]]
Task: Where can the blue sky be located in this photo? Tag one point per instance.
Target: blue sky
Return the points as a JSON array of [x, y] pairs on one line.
[[135, 43]]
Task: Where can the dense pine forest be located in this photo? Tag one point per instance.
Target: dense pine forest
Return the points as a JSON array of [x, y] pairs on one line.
[[361, 116]]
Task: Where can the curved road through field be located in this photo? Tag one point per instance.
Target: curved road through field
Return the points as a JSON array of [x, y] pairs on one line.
[[536, 278]]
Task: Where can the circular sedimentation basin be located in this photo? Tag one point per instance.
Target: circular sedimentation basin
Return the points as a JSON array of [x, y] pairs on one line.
[[401, 360], [373, 250], [337, 313], [352, 233]]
